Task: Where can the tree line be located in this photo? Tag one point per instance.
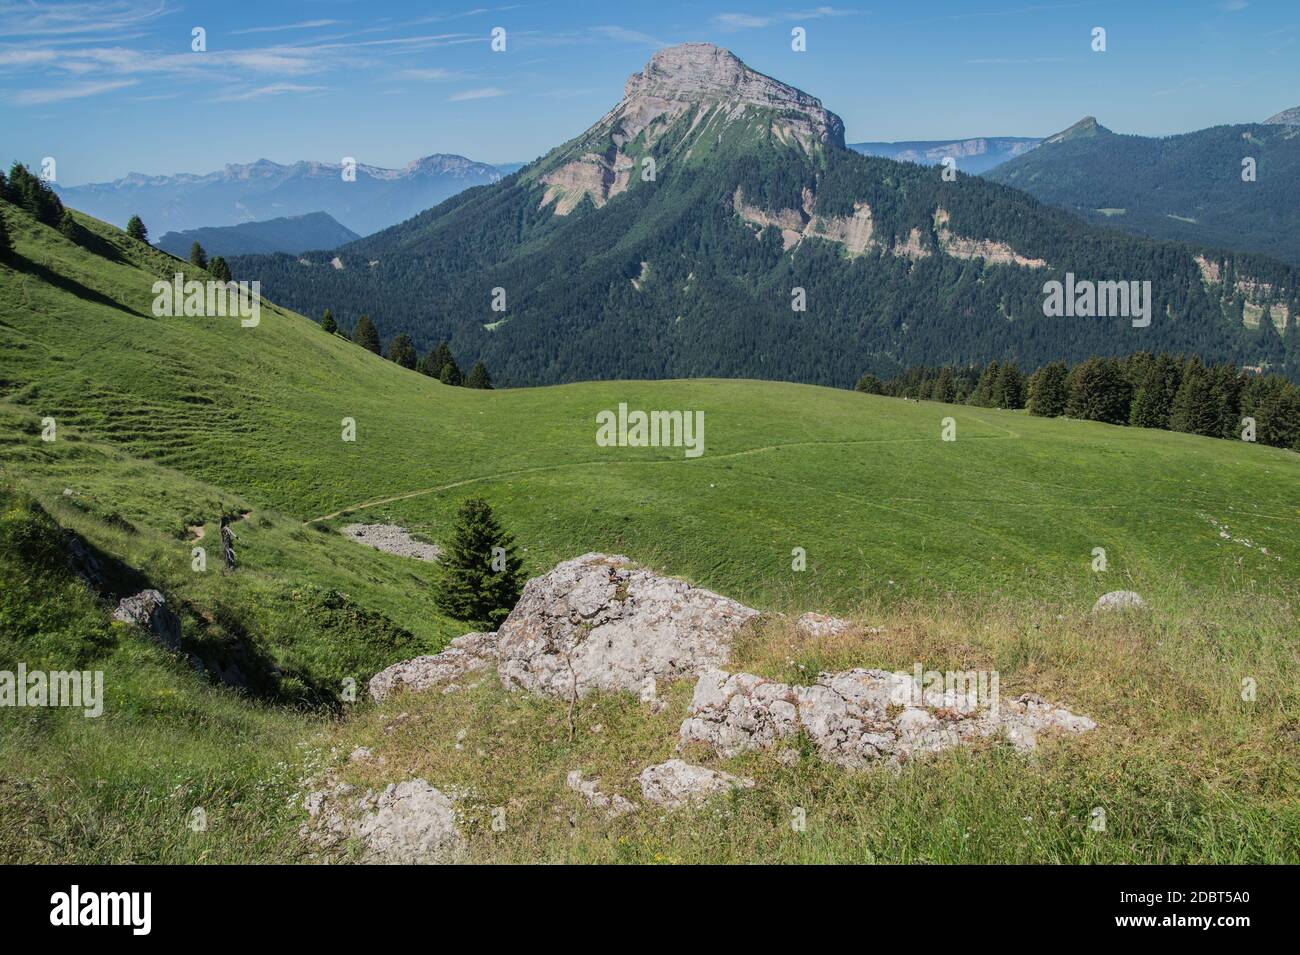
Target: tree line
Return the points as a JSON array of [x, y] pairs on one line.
[[438, 363], [1144, 390]]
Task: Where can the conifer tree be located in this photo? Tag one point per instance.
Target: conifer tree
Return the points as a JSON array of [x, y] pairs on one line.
[[401, 351], [34, 196], [1193, 410], [1049, 391], [983, 396], [1277, 414], [869, 384], [1155, 397], [1225, 400], [478, 376], [450, 374], [366, 335], [478, 577], [68, 227], [436, 360], [327, 322], [198, 258], [220, 269], [1099, 392], [136, 230], [1009, 387], [945, 388]]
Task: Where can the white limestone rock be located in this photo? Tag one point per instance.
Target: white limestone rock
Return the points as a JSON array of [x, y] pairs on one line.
[[598, 622], [409, 823], [677, 783], [613, 806], [1119, 600], [148, 610], [858, 717], [465, 654]]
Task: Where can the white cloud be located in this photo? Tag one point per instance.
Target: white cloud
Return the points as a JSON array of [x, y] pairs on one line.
[[304, 25], [741, 21], [624, 35], [98, 17], [435, 73], [58, 94], [274, 89], [732, 22], [487, 92]]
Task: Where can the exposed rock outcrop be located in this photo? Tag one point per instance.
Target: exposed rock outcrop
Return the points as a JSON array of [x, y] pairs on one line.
[[1288, 117], [820, 625], [392, 539], [589, 789], [148, 609], [598, 622], [997, 253], [676, 783], [408, 823], [464, 655], [858, 717], [1120, 600]]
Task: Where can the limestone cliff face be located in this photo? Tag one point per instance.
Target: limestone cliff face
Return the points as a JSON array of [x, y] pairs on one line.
[[703, 82]]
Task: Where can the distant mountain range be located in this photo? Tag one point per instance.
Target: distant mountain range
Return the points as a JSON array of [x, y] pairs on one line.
[[374, 200], [971, 155], [714, 224], [1188, 187], [292, 234]]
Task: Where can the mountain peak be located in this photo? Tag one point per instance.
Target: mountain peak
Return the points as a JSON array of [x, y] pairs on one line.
[[700, 95], [695, 74], [1288, 117], [1086, 127]]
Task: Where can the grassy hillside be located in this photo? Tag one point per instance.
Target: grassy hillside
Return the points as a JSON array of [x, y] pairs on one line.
[[977, 551]]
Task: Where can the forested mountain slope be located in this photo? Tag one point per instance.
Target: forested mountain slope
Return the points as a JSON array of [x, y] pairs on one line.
[[673, 237], [1188, 188]]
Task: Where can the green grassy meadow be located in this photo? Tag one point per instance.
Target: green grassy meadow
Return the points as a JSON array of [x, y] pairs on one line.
[[977, 551]]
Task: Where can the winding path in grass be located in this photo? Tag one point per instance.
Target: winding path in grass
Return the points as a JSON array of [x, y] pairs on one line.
[[366, 505]]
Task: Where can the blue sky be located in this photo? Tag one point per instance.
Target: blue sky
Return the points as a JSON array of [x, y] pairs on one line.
[[111, 86]]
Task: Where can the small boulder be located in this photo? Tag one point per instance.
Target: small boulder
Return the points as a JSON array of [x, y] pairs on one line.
[[677, 783], [148, 610], [465, 654], [589, 789], [599, 622], [409, 823], [820, 625], [1119, 600], [412, 824]]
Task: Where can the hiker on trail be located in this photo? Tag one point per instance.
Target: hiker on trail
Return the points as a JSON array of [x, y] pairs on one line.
[[227, 542]]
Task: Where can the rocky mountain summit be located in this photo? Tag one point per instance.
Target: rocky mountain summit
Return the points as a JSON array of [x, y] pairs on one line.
[[703, 76], [1288, 117], [697, 92]]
